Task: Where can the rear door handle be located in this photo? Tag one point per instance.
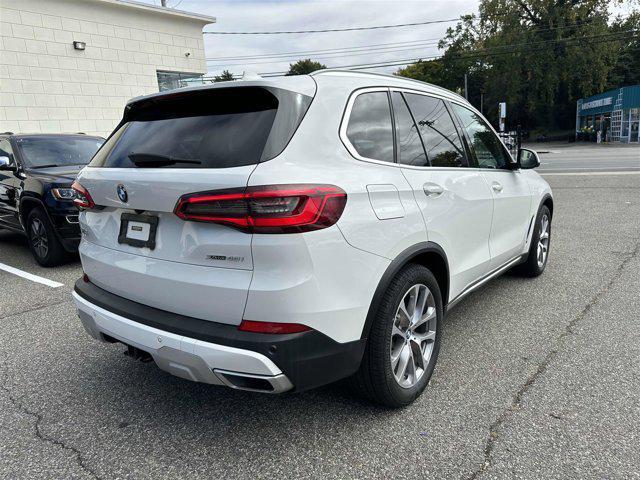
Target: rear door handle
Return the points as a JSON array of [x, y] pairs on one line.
[[432, 189], [497, 187]]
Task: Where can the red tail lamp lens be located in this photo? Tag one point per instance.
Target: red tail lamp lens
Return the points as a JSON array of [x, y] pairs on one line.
[[271, 327], [83, 200], [267, 209]]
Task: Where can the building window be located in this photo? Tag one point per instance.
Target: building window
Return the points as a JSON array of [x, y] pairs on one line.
[[173, 80]]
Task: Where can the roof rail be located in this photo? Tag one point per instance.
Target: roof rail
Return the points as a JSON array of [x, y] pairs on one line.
[[374, 74], [8, 133]]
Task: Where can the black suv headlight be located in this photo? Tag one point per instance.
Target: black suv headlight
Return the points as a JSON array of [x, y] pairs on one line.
[[64, 194]]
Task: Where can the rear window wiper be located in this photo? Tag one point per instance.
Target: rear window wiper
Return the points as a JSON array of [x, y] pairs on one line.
[[157, 160]]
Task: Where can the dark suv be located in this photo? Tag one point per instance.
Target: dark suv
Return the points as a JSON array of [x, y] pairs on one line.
[[36, 199]]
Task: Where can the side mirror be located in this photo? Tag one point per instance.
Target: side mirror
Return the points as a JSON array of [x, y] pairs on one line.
[[528, 158], [5, 163]]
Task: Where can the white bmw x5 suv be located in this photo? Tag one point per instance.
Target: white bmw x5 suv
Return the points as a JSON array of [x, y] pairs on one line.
[[278, 235]]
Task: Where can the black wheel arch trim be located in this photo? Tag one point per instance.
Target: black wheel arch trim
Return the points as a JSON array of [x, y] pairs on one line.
[[545, 197], [396, 265], [40, 203]]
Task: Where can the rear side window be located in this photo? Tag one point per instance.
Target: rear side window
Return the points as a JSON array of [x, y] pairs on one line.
[[409, 145], [369, 129], [439, 135], [215, 128]]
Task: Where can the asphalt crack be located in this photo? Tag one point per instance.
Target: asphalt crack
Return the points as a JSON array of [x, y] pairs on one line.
[[516, 401], [33, 309], [38, 433]]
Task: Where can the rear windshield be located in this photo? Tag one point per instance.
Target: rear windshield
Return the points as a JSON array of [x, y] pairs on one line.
[[216, 128], [39, 152]]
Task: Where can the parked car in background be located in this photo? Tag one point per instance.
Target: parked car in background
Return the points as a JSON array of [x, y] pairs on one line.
[[279, 234], [36, 198]]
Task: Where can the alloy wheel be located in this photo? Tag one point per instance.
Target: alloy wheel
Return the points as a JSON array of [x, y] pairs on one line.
[[413, 335], [39, 239], [543, 242]]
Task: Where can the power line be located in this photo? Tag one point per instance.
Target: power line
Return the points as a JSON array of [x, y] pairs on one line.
[[476, 54], [351, 29], [497, 48], [357, 50], [330, 56], [329, 50]]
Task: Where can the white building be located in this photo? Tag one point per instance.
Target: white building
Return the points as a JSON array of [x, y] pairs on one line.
[[71, 65]]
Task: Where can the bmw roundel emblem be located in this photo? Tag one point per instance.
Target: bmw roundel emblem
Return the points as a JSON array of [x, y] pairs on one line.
[[122, 193]]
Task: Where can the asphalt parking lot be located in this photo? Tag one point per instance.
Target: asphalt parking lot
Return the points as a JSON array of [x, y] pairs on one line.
[[536, 379]]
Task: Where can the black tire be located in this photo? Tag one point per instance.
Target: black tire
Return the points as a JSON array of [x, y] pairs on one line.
[[43, 241], [375, 380], [531, 267]]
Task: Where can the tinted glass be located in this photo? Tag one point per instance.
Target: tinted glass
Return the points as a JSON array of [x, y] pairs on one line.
[[369, 129], [487, 147], [410, 150], [438, 132], [5, 149], [58, 151], [215, 128]]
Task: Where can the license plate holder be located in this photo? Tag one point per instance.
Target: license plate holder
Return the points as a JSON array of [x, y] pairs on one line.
[[138, 230]]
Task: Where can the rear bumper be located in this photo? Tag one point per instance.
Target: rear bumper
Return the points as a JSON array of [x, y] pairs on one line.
[[210, 352]]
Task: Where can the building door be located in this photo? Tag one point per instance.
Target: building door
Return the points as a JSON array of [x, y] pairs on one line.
[[634, 124]]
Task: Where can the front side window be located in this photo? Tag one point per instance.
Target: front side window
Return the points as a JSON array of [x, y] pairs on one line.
[[487, 147], [439, 135], [6, 150], [409, 145], [369, 129]]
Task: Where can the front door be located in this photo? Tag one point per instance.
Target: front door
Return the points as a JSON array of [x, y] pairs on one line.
[[455, 201], [510, 189], [8, 189]]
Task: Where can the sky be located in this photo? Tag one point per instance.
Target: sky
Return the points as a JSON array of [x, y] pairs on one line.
[[271, 15]]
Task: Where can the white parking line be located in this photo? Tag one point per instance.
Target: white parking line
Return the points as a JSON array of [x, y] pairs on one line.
[[30, 276]]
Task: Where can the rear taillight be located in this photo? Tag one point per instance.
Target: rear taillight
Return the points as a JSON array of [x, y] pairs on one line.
[[83, 200], [271, 327], [267, 209]]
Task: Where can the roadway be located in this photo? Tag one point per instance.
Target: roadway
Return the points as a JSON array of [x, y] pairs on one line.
[[537, 378]]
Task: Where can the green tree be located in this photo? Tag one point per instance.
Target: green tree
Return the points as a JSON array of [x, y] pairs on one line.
[[627, 69], [304, 67], [225, 76], [539, 56], [425, 70]]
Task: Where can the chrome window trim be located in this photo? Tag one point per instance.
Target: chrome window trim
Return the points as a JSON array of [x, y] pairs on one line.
[[347, 115], [345, 123]]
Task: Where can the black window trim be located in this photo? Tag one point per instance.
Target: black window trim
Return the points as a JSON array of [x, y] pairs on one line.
[[415, 124]]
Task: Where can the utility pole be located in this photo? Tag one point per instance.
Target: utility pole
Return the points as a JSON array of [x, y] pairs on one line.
[[466, 88], [163, 3], [481, 102]]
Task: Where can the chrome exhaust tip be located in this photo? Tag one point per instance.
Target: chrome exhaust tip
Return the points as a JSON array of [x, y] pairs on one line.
[[254, 383]]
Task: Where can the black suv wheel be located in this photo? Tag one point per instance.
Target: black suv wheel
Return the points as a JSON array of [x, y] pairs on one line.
[[43, 242]]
